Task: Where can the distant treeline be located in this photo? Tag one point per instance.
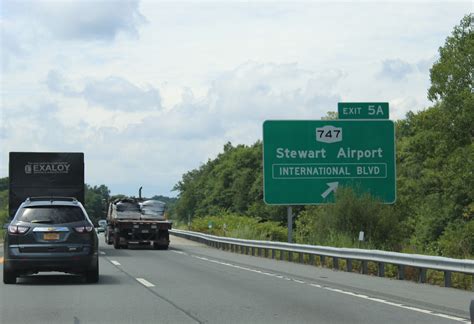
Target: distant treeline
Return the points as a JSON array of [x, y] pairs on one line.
[[96, 201], [434, 212]]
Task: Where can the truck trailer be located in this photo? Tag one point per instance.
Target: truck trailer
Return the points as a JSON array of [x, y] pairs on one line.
[[136, 221], [46, 175]]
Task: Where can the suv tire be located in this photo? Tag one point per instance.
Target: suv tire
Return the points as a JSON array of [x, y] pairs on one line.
[[92, 275], [9, 277]]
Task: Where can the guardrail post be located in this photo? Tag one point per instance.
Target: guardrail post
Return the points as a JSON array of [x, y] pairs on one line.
[[447, 278], [401, 272], [322, 258], [282, 255], [363, 267], [422, 276], [301, 257], [290, 256], [265, 252], [311, 259], [349, 265], [246, 250], [335, 263], [381, 270], [273, 253]]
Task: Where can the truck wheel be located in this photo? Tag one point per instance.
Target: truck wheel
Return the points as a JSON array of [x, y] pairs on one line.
[[9, 277], [160, 247], [92, 275], [116, 242]]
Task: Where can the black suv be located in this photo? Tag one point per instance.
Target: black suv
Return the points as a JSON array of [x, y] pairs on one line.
[[50, 234]]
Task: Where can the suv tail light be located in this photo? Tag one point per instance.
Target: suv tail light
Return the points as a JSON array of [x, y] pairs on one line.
[[84, 229], [14, 229]]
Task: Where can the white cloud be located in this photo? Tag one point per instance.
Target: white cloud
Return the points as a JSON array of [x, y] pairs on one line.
[[112, 93], [256, 91], [395, 69], [81, 20], [146, 109]]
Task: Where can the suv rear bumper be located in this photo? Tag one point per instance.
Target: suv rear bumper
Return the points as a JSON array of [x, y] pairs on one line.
[[37, 262]]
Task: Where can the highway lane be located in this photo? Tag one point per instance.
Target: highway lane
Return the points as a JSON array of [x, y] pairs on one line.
[[192, 283]]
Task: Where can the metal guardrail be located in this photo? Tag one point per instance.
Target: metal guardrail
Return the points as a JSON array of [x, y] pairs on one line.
[[401, 260]]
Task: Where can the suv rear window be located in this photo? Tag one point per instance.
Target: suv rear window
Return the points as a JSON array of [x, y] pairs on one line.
[[51, 214]]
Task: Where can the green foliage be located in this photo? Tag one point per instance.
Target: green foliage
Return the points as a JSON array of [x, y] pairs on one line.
[[452, 74], [97, 198], [231, 182], [238, 226], [4, 201], [4, 182], [458, 240], [435, 182], [435, 155], [339, 224], [452, 81]]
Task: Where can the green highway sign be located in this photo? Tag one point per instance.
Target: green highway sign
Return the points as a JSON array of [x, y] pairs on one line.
[[362, 110], [304, 161]]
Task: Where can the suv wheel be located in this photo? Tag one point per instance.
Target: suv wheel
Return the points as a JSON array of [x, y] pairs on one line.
[[9, 277], [92, 275]]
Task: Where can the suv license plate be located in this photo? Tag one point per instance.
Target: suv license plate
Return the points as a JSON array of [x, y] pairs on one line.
[[50, 236]]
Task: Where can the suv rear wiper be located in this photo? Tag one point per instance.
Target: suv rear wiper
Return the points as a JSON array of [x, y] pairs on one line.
[[44, 221]]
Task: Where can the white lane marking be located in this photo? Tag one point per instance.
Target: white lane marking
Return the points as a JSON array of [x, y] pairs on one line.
[[103, 253], [114, 262], [145, 282], [339, 291], [179, 252]]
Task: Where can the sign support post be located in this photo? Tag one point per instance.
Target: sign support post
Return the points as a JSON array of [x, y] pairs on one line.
[[290, 224]]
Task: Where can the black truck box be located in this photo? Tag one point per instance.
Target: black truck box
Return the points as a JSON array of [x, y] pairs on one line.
[[45, 174]]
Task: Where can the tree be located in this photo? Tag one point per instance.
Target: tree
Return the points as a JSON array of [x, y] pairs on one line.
[[96, 199], [452, 82], [435, 151]]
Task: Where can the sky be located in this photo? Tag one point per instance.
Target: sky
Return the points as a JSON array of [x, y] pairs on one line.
[[150, 90]]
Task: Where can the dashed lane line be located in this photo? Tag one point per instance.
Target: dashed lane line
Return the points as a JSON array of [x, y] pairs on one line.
[[339, 291], [148, 285], [145, 282]]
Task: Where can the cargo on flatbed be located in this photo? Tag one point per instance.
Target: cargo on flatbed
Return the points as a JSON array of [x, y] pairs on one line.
[[135, 221]]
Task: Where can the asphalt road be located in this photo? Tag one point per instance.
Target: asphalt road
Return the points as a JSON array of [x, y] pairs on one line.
[[192, 283]]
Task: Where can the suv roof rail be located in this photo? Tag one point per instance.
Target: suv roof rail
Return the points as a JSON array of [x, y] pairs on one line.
[[56, 198]]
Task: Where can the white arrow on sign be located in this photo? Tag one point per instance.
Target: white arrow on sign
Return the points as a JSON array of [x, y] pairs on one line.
[[332, 187]]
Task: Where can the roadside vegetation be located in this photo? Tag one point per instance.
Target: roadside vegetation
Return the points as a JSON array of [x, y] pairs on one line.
[[434, 212]]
